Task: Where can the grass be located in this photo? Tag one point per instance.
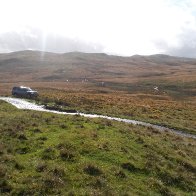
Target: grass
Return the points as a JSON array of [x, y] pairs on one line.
[[50, 154], [162, 109]]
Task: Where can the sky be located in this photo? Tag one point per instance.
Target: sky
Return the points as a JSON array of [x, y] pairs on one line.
[[118, 27]]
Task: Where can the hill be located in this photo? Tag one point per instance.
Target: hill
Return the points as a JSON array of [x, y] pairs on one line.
[[49, 154], [99, 71], [75, 66], [159, 89]]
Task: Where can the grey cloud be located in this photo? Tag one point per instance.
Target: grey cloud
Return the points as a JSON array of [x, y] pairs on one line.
[[34, 39], [186, 45], [187, 38]]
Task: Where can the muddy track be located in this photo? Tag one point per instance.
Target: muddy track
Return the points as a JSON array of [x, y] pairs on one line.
[[25, 105]]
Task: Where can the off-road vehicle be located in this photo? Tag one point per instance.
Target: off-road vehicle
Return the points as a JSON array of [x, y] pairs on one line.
[[23, 91]]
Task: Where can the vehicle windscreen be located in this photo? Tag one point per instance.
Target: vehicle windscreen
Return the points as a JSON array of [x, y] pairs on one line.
[[26, 89]]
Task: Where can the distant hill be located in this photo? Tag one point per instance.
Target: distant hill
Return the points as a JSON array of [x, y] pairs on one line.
[[38, 66]]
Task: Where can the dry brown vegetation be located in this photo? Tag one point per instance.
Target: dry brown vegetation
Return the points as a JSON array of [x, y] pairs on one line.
[[50, 154], [46, 67], [112, 85]]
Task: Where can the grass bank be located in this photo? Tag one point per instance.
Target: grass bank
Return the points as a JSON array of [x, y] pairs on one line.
[[50, 154], [154, 108]]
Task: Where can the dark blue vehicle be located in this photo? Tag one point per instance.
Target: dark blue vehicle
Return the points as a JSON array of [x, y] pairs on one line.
[[25, 92]]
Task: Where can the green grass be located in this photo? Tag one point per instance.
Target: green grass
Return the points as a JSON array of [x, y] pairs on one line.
[[153, 108], [50, 154]]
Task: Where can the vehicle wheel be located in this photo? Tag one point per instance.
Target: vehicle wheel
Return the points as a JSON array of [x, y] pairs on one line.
[[29, 96]]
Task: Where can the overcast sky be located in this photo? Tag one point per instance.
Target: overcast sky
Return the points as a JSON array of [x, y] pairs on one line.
[[122, 27]]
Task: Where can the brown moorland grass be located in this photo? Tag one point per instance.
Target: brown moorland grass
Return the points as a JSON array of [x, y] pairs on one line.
[[111, 85], [156, 109], [49, 154], [166, 109], [29, 66]]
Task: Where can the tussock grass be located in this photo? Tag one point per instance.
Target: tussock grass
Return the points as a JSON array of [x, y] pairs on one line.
[[177, 113], [47, 154]]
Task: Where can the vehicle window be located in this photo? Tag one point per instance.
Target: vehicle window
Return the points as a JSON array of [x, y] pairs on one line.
[[25, 89]]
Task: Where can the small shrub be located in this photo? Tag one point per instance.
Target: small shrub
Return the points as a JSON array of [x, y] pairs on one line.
[[37, 130], [155, 131], [22, 137], [10, 150], [41, 167], [120, 174], [71, 193], [67, 155], [107, 123], [99, 183], [66, 145], [63, 126], [11, 132], [20, 127], [58, 171], [7, 158], [3, 171], [18, 166], [4, 186], [49, 182], [68, 151], [47, 120], [48, 154], [2, 147], [92, 170], [160, 187], [130, 167], [94, 135], [34, 125], [52, 182], [104, 146], [176, 180], [100, 127], [188, 166], [22, 150], [139, 140], [43, 138]]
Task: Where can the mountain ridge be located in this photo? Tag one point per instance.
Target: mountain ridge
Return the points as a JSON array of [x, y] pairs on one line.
[[37, 66], [87, 53]]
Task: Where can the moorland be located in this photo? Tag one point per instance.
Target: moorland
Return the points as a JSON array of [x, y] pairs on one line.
[[50, 154]]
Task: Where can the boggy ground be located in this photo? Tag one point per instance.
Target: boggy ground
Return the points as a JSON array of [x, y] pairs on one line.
[[155, 108], [173, 105], [158, 88], [50, 154]]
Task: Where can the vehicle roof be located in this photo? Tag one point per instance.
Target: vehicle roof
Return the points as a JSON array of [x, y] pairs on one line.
[[22, 87]]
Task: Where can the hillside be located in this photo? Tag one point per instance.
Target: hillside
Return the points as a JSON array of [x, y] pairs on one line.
[[159, 89], [98, 71], [51, 154], [37, 66]]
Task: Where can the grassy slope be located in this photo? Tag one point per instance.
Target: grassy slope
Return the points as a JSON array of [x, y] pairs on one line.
[[47, 154], [109, 84], [157, 109], [51, 154]]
